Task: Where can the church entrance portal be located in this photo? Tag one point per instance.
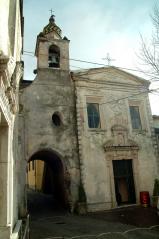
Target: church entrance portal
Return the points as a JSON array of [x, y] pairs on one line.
[[46, 184], [124, 181]]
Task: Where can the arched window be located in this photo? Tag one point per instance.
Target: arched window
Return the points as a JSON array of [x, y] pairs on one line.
[[54, 56], [93, 115]]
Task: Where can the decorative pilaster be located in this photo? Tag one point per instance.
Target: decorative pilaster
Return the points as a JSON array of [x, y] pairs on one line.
[[10, 74]]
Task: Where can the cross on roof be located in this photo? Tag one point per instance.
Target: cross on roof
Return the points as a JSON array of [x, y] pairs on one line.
[[108, 59], [51, 12]]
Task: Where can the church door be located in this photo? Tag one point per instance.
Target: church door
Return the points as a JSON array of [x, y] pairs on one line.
[[124, 181]]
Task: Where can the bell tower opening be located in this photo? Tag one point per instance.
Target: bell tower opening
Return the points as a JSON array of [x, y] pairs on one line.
[[54, 56]]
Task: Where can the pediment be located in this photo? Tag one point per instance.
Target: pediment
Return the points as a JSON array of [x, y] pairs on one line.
[[111, 145], [120, 140], [112, 75]]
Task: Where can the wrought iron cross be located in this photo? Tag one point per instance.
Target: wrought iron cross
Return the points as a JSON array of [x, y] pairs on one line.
[[108, 59]]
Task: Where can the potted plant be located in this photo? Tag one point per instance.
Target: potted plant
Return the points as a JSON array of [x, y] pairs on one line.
[[155, 195], [81, 206]]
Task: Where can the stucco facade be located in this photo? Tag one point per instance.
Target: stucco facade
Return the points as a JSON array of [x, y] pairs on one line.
[[11, 71], [115, 140]]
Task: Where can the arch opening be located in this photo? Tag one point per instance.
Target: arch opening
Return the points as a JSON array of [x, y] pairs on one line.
[[54, 56], [46, 183]]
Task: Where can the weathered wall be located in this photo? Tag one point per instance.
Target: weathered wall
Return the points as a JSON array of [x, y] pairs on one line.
[[51, 91], [106, 87]]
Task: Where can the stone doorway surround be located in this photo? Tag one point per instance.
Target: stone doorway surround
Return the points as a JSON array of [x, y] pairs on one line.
[[120, 147]]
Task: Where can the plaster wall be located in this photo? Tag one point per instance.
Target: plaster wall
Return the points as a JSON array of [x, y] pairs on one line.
[[4, 6], [35, 176], [43, 53]]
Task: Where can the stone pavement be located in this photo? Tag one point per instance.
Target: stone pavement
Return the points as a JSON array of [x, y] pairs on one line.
[[133, 222], [72, 226]]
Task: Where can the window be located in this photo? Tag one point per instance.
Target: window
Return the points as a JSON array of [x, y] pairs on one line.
[[93, 115], [56, 119], [135, 117], [29, 166], [33, 165], [54, 56], [157, 134]]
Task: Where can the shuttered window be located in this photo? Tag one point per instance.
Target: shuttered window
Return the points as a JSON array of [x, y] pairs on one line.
[[135, 117], [93, 115]]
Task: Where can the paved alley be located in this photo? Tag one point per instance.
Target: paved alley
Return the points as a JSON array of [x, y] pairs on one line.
[[130, 222]]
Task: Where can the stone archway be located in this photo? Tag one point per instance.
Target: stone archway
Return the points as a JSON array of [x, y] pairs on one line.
[[49, 176]]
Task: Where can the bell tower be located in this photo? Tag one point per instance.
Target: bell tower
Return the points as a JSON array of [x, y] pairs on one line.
[[49, 114], [52, 51]]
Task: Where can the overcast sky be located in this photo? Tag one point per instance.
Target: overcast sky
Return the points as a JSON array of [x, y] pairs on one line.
[[94, 28]]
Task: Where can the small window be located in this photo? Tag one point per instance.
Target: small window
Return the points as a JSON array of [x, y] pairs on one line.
[[56, 119], [135, 117], [29, 166], [93, 115], [54, 56], [33, 165]]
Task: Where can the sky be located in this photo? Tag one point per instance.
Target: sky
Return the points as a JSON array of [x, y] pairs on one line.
[[95, 28]]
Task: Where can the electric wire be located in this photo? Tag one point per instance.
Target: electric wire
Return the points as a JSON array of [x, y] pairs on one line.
[[114, 100], [119, 99], [30, 53]]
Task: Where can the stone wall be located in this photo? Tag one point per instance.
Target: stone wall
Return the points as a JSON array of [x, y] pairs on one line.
[[51, 92]]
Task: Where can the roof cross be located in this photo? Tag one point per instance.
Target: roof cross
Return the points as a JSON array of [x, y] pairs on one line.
[[108, 59], [51, 11]]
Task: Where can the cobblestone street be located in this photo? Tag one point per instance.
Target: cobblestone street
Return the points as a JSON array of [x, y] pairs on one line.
[[130, 222]]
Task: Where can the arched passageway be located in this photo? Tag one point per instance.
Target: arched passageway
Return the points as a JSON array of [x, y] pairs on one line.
[[46, 184]]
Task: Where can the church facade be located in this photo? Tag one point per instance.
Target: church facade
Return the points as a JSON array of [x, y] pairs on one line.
[[115, 135], [91, 127]]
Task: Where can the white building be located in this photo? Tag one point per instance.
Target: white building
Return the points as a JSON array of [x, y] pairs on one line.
[[11, 70]]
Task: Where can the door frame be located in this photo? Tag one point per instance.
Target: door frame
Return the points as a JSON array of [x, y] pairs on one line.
[[128, 176], [123, 155]]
